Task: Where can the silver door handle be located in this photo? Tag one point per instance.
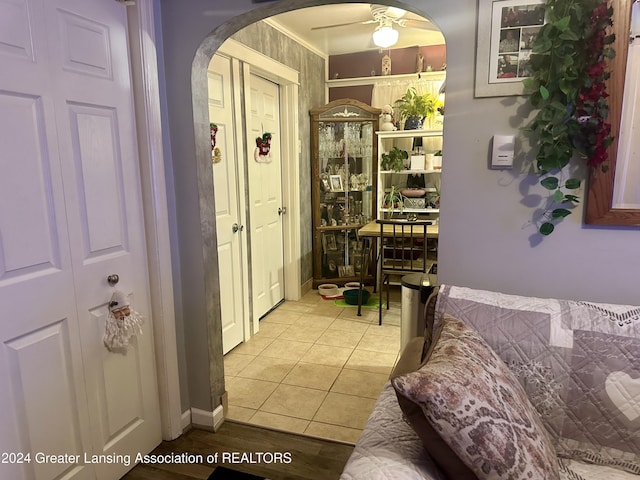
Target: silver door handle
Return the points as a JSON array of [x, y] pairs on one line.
[[282, 210], [235, 228]]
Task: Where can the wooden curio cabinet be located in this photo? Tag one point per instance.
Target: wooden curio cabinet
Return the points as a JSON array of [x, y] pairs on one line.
[[344, 175]]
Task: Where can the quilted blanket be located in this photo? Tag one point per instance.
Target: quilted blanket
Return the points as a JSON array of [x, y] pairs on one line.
[[579, 363]]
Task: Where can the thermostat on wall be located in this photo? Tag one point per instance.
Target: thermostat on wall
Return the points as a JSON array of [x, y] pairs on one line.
[[502, 152]]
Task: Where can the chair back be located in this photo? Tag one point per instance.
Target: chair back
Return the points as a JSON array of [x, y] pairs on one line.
[[403, 247]]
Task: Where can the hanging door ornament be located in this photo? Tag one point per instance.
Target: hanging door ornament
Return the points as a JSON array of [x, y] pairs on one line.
[[216, 154], [262, 152], [123, 323]]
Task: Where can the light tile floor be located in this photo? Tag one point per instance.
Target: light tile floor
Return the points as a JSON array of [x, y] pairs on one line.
[[314, 368]]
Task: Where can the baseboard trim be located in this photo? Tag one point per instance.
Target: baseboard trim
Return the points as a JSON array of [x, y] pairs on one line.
[[186, 419], [204, 418], [307, 286], [218, 417]]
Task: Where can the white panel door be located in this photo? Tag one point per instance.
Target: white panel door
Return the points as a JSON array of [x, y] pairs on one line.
[[265, 197], [229, 228], [43, 404], [70, 215]]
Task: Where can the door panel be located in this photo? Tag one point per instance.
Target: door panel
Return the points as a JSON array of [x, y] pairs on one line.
[[226, 187], [70, 214], [265, 197], [96, 128], [26, 183], [48, 346], [43, 402], [98, 181]]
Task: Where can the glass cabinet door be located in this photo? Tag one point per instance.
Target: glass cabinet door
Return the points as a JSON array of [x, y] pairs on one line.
[[344, 173]]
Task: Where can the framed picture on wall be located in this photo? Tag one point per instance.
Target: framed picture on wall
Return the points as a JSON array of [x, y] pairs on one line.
[[506, 32]]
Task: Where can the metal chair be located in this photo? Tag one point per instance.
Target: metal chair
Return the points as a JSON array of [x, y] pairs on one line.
[[402, 250]]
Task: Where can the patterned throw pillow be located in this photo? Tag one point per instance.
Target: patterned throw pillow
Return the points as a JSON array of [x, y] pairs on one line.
[[476, 405]]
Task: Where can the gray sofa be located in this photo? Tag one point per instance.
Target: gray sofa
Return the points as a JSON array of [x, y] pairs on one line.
[[578, 364]]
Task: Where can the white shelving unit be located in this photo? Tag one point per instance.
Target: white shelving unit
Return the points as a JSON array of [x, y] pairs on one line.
[[403, 139]]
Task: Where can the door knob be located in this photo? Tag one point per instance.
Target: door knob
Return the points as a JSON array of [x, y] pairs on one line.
[[282, 210], [113, 279], [235, 228]]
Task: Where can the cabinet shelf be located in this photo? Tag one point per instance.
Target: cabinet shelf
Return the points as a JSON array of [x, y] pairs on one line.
[[410, 210], [408, 172], [409, 134]]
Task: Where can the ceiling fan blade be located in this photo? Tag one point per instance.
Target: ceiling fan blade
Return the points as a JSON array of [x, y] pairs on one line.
[[323, 27], [423, 24]]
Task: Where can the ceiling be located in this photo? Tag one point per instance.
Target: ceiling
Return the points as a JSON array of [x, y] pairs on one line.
[[350, 38]]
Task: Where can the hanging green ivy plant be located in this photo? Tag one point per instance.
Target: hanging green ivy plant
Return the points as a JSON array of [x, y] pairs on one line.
[[568, 91]]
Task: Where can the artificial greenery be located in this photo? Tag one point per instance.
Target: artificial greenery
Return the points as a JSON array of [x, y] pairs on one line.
[[413, 104], [568, 91], [394, 160]]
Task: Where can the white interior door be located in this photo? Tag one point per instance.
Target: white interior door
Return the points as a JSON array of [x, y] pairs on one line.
[[265, 198], [229, 226], [70, 215]]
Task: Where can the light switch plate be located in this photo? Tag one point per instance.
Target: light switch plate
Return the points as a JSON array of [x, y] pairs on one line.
[[503, 151]]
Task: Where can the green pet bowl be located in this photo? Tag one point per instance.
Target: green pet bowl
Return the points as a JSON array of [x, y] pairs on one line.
[[351, 296]]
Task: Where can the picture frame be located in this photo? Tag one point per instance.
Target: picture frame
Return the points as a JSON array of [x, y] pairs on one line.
[[505, 34], [330, 240], [336, 183], [331, 264], [346, 271], [357, 264]]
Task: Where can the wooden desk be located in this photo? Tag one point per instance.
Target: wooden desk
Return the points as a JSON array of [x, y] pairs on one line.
[[372, 229]]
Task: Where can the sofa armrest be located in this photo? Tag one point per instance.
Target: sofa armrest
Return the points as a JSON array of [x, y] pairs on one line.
[[410, 358]]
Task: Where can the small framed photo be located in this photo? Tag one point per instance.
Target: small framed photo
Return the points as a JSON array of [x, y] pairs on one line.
[[506, 32], [346, 271], [336, 183], [329, 241], [331, 263], [357, 264]]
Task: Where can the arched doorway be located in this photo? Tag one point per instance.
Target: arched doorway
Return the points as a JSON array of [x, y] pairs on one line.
[[205, 188]]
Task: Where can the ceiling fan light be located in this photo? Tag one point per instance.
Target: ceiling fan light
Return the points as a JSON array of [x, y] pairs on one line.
[[385, 36]]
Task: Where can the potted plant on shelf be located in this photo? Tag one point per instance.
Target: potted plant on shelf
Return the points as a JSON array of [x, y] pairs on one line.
[[414, 107], [394, 159], [393, 199]]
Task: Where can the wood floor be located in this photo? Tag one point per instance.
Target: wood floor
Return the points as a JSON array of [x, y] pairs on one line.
[[310, 458]]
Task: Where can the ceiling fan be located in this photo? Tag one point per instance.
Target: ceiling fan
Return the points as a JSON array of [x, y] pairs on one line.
[[386, 16]]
